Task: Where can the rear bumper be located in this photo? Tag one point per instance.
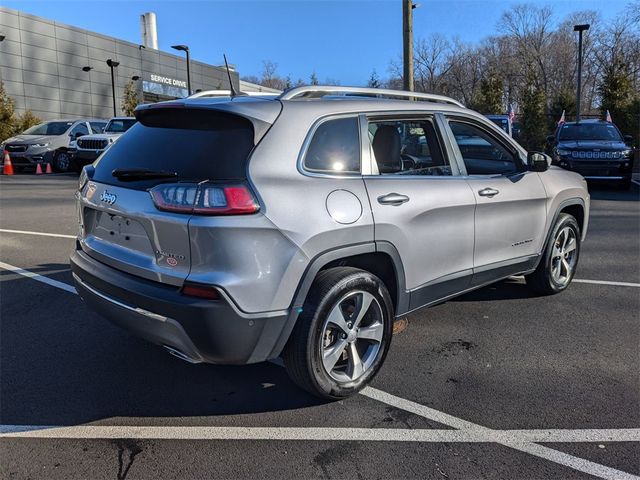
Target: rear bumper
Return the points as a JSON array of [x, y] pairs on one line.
[[200, 330]]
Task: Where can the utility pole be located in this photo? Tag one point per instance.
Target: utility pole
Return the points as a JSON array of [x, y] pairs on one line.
[[579, 29], [407, 44]]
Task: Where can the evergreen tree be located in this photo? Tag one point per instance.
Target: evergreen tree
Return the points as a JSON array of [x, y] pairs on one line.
[[489, 99], [619, 98], [7, 115], [374, 80], [130, 99], [26, 120], [533, 118], [564, 101]]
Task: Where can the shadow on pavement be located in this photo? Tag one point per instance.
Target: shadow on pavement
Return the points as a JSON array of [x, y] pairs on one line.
[[510, 289], [610, 192], [62, 364]]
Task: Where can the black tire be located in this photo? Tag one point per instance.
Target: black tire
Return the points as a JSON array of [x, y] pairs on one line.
[[303, 353], [62, 162], [542, 280]]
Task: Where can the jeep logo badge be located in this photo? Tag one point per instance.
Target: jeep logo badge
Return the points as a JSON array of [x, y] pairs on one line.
[[108, 198]]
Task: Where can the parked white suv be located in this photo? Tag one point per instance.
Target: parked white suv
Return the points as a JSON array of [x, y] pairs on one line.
[[91, 147]]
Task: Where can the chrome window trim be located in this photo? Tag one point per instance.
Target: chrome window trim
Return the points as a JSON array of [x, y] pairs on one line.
[[307, 141]]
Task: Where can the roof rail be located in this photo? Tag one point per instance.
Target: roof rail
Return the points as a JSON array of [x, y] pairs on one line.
[[317, 91], [227, 93]]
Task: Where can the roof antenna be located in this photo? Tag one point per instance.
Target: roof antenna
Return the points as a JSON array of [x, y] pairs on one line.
[[233, 90]]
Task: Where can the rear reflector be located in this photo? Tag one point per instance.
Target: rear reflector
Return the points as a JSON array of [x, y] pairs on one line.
[[201, 291], [205, 198]]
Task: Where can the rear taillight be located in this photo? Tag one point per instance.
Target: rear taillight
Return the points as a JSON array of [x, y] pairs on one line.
[[205, 198]]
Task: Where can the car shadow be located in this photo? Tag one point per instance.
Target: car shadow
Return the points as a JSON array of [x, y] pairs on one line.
[[62, 364], [610, 192], [510, 289]]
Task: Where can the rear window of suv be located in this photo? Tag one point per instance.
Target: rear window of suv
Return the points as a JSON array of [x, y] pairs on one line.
[[197, 144]]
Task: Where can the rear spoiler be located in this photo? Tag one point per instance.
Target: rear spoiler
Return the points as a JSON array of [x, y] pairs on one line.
[[261, 114]]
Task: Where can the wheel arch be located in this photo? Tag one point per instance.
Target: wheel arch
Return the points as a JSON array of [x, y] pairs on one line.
[[381, 259], [572, 206]]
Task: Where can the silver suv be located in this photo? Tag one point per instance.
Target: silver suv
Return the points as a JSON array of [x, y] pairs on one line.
[[49, 142], [238, 230]]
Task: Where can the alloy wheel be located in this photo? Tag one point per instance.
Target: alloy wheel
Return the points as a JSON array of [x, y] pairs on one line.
[[563, 256], [352, 336]]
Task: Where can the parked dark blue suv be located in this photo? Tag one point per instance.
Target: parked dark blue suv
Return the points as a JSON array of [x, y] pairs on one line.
[[595, 149]]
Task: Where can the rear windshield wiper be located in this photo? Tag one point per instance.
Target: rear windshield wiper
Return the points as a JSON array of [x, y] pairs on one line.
[[141, 174]]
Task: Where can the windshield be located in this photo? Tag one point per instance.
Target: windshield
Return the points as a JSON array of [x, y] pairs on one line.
[[119, 125], [590, 131], [49, 128], [503, 123]]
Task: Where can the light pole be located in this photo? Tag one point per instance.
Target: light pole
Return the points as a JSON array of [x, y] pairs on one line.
[[113, 64], [407, 44], [579, 29], [88, 69], [185, 48]]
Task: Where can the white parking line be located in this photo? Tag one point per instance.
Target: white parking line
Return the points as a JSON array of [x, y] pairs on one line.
[[482, 435], [41, 234], [507, 438], [520, 440], [39, 278], [607, 282]]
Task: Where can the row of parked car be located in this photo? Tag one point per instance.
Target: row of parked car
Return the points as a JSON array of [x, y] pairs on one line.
[[67, 145]]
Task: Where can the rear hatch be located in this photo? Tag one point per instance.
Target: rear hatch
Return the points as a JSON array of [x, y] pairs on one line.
[[136, 206]]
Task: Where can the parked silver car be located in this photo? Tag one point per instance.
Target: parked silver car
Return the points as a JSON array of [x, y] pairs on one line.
[[49, 142], [238, 230]]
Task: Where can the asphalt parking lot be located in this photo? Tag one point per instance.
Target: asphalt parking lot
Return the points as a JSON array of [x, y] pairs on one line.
[[495, 384]]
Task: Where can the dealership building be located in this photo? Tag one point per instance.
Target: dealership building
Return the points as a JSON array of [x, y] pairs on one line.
[[60, 71]]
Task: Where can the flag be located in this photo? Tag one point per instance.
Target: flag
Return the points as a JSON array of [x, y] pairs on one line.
[[561, 121], [608, 117], [511, 113]]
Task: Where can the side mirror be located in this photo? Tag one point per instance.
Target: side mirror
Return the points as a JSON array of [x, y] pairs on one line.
[[627, 138], [538, 161], [550, 138]]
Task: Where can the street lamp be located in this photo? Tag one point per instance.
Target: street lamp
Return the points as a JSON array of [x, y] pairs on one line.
[[87, 68], [135, 78], [113, 64], [579, 29], [185, 48]]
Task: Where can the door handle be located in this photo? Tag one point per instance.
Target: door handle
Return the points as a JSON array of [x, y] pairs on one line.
[[488, 192], [394, 199]]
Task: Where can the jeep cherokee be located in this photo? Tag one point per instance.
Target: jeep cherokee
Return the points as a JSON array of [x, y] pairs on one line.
[[238, 230]]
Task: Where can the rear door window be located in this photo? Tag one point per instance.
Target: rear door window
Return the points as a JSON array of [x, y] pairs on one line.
[[196, 144]]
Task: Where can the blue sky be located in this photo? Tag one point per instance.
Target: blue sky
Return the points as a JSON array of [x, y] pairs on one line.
[[342, 40]]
